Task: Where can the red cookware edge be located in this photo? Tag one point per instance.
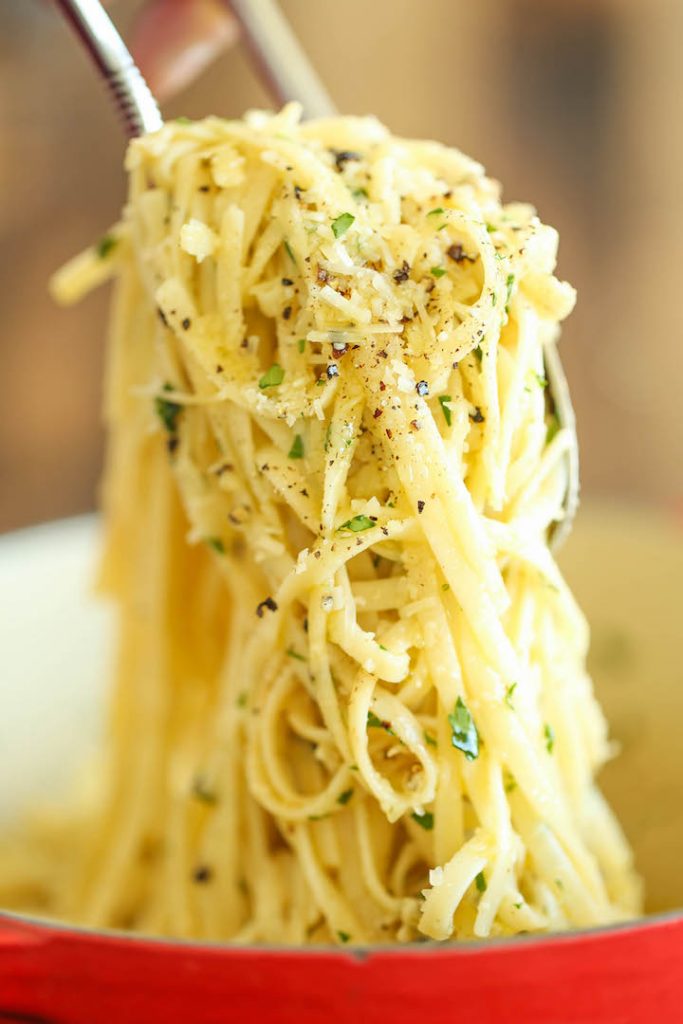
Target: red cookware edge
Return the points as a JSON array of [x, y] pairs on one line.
[[626, 975]]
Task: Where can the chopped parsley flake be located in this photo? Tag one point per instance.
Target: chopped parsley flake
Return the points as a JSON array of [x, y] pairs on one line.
[[202, 791], [437, 271], [272, 377], [430, 740], [360, 193], [425, 821], [480, 882], [242, 700], [168, 411], [216, 544], [297, 449], [539, 379], [293, 654], [478, 352], [344, 797], [445, 408], [509, 693], [288, 250], [553, 429], [508, 284], [490, 228], [376, 723], [105, 246], [358, 524], [549, 734], [301, 344], [341, 224], [445, 587], [343, 936], [436, 212], [464, 733]]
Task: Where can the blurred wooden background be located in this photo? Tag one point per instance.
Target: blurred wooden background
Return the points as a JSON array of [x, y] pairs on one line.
[[574, 105]]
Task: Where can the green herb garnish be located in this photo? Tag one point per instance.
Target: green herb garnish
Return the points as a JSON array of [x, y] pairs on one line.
[[358, 524], [478, 352], [344, 797], [508, 284], [272, 377], [288, 250], [293, 654], [445, 587], [183, 120], [445, 409], [202, 791], [297, 449], [216, 544], [436, 212], [343, 936], [540, 379], [425, 821], [360, 193], [168, 411], [301, 344], [242, 700], [437, 271], [549, 734], [464, 733], [376, 723], [430, 740], [509, 695], [553, 429], [480, 882], [490, 228], [341, 224], [105, 246]]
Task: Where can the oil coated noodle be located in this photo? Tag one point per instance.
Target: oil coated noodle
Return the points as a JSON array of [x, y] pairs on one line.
[[351, 702]]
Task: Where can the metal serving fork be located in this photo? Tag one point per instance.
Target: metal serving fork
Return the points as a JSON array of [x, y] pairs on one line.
[[287, 73]]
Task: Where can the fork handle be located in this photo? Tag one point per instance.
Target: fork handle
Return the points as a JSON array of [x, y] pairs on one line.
[[136, 104], [279, 57]]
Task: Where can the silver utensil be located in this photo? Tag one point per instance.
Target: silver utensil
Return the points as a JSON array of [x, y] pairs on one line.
[[130, 92], [288, 75]]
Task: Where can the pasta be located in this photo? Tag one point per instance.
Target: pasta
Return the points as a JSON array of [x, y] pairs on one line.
[[351, 702]]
